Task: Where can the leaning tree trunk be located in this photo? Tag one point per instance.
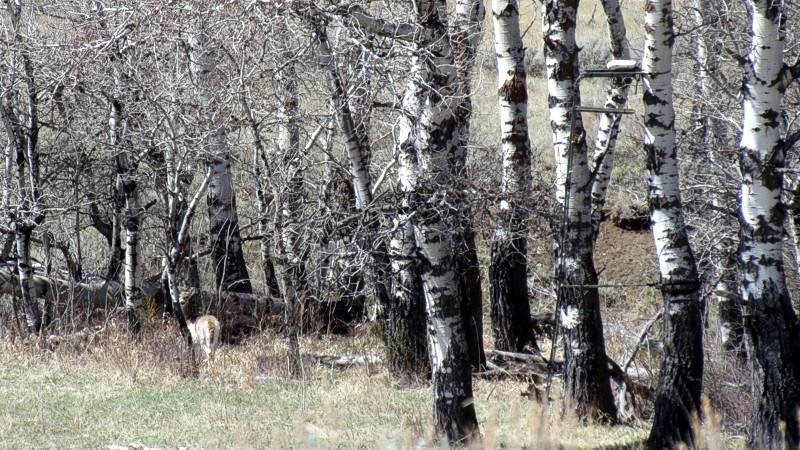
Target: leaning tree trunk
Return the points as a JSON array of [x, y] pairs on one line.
[[587, 385], [681, 376], [465, 37], [438, 127], [508, 272], [725, 294], [359, 99], [773, 325], [358, 157], [406, 336], [223, 223], [609, 124]]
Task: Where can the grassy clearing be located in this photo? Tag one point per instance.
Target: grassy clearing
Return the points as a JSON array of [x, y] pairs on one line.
[[118, 392]]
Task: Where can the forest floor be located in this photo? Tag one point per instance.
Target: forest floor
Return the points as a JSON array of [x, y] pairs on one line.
[[115, 391], [121, 393]]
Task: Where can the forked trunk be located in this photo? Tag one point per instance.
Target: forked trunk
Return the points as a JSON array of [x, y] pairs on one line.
[[508, 272], [587, 386], [772, 325], [681, 376]]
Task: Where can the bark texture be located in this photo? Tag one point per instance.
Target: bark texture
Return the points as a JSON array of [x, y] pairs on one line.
[[587, 385], [609, 124], [772, 326], [465, 37], [681, 375], [407, 340], [454, 410], [708, 47], [128, 187], [508, 272], [288, 218], [223, 223], [356, 143]]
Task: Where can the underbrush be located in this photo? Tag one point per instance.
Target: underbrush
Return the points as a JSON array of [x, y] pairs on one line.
[[120, 391], [114, 390]]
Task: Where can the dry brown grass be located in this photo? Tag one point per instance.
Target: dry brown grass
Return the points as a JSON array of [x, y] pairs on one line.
[[118, 391]]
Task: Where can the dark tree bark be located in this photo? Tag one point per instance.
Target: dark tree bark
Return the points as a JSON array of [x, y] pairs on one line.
[[771, 324], [587, 385], [464, 37], [508, 272], [681, 375], [223, 223]]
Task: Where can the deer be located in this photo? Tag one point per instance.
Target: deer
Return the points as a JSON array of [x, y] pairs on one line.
[[204, 331]]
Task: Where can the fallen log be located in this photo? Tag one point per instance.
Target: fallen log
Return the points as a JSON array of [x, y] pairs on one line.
[[347, 361]]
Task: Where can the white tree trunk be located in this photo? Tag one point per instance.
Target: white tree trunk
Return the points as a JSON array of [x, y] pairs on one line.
[[223, 222], [127, 186], [407, 354], [511, 315], [291, 202], [358, 157], [773, 326], [609, 124], [437, 133], [678, 393], [586, 377]]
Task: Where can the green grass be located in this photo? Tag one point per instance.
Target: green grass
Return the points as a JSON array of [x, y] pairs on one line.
[[90, 399]]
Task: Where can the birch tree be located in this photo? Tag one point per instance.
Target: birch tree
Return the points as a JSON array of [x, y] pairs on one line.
[[681, 375], [358, 156], [773, 327], [21, 122], [128, 186], [586, 378], [407, 346], [508, 273], [454, 410], [708, 47], [226, 246], [609, 125], [437, 133], [291, 198], [465, 35]]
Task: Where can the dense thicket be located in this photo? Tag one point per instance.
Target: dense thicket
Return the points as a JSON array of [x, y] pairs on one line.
[[316, 166]]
